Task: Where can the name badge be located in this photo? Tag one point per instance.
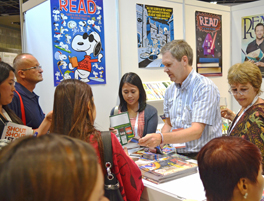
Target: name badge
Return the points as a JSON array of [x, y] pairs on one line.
[[12, 131]]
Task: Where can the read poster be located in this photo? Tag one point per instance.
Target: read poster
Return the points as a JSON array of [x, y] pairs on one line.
[[208, 44], [78, 40], [250, 38], [155, 28]]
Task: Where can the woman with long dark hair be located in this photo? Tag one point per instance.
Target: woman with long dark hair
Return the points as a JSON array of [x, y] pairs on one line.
[[132, 96], [74, 113]]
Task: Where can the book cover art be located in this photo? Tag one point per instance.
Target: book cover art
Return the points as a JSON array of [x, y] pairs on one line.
[[122, 125], [255, 56], [167, 169]]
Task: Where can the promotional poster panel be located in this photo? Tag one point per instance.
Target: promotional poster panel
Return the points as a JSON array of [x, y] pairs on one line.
[[78, 40], [155, 28], [208, 44], [252, 47]]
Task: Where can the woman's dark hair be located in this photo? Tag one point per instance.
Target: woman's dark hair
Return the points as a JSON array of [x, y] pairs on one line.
[[73, 112], [223, 162], [49, 167], [134, 79], [5, 70]]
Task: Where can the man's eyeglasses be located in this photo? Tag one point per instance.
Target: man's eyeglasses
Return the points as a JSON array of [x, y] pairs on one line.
[[234, 92], [35, 67]]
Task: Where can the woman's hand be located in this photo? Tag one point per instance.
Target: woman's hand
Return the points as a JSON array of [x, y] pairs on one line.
[[228, 114], [113, 130]]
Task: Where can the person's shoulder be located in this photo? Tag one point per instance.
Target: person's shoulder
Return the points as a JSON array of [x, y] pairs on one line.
[[150, 108], [252, 42]]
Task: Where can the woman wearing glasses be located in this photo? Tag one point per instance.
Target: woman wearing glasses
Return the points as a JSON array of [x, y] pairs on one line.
[[245, 81]]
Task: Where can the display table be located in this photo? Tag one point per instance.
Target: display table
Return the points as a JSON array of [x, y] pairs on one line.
[[189, 187]]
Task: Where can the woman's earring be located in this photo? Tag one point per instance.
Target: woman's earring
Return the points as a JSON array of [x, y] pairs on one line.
[[245, 196]]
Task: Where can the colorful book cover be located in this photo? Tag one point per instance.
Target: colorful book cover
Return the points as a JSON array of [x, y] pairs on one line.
[[122, 125], [167, 169]]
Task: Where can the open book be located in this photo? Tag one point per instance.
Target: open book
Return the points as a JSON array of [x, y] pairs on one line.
[[255, 56]]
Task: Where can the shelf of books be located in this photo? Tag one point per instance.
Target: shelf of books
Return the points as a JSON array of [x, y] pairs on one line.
[[156, 90]]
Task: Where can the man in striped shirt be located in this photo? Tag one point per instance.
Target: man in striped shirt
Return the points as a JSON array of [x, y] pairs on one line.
[[191, 103]]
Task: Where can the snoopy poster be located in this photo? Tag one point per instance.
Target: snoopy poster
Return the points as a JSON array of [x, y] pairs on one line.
[[155, 28], [208, 43], [78, 40]]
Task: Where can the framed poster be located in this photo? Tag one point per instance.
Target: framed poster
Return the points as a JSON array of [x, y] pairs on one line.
[[208, 43], [155, 28], [78, 40], [252, 47]]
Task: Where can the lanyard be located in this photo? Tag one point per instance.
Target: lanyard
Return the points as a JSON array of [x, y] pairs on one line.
[[136, 126], [253, 102]]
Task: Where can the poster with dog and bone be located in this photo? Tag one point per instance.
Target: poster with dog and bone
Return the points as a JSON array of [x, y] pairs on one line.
[[78, 40]]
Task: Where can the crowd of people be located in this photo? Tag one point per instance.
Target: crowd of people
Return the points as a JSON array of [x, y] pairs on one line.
[[65, 151]]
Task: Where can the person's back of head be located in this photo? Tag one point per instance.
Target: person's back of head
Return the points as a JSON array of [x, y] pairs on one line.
[[73, 109], [49, 167], [225, 162]]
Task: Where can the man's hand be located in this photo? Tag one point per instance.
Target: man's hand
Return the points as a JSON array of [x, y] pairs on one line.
[[150, 140], [260, 64]]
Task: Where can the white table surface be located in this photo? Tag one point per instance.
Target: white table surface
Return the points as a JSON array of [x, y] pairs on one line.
[[189, 187]]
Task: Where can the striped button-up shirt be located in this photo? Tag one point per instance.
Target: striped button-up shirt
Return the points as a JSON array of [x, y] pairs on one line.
[[196, 100]]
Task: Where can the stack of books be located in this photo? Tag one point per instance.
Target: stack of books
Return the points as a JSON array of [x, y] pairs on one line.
[[167, 169], [209, 67], [156, 90]]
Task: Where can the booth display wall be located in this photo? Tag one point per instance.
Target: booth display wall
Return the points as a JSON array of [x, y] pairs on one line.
[[190, 8], [237, 12], [121, 48], [38, 42]]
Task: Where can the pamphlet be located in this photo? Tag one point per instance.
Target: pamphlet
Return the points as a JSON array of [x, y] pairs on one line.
[[121, 123]]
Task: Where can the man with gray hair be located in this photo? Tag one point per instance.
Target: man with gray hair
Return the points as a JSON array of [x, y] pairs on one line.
[[191, 103], [25, 102]]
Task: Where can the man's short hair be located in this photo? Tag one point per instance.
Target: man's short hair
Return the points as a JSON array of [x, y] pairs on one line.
[[18, 61], [259, 24], [178, 49]]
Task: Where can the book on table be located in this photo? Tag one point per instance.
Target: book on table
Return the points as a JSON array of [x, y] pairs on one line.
[[169, 168]]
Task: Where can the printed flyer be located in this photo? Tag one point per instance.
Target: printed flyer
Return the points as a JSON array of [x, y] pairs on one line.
[[208, 44], [78, 40], [155, 28], [252, 47]]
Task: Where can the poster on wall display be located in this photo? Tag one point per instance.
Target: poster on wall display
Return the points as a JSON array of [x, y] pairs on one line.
[[208, 44], [78, 40], [252, 47], [155, 28]]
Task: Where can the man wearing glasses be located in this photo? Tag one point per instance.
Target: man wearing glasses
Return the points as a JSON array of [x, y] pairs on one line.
[[25, 102]]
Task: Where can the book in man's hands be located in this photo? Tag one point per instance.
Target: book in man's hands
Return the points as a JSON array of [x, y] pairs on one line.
[[167, 169], [121, 123], [255, 56]]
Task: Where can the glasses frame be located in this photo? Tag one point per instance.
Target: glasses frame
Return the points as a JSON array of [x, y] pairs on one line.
[[34, 67], [238, 92]]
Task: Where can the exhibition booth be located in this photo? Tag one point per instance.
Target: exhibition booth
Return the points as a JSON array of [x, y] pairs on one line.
[[121, 46]]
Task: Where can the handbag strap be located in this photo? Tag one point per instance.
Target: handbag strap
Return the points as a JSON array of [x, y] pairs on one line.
[[23, 114], [111, 183]]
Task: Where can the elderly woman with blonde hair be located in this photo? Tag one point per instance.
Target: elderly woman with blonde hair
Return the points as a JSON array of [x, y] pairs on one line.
[[245, 81]]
